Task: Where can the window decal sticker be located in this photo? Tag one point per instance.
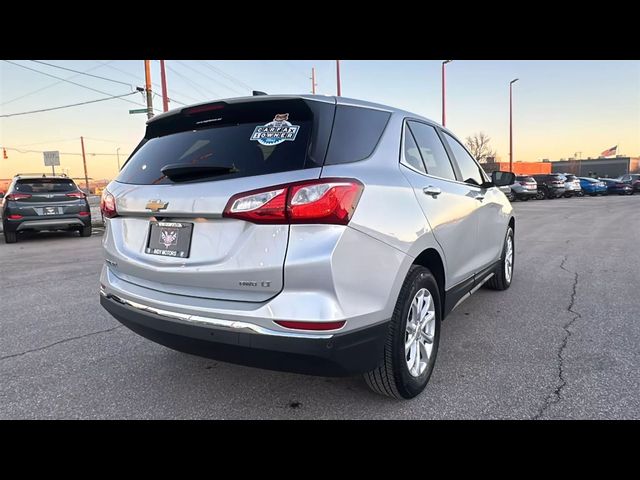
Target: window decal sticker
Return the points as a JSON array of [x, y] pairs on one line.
[[275, 132]]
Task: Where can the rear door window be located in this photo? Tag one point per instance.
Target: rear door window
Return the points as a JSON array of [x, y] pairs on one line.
[[468, 167], [433, 153], [233, 140], [412, 155], [356, 133]]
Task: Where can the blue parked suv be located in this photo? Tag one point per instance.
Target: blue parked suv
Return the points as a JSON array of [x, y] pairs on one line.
[[592, 186]]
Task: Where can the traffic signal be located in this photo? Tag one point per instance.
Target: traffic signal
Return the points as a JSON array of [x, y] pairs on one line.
[[4, 153]]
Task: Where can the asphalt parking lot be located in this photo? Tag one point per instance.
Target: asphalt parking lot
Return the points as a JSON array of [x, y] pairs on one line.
[[561, 343]]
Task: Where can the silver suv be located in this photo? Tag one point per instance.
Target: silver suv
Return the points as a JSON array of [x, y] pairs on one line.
[[309, 234]]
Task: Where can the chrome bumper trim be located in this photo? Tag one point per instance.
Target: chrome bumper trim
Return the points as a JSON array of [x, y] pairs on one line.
[[212, 322]]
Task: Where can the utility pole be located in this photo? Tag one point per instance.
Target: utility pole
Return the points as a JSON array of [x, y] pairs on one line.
[[511, 123], [118, 155], [444, 118], [147, 81], [163, 78], [84, 162], [338, 77], [313, 80]]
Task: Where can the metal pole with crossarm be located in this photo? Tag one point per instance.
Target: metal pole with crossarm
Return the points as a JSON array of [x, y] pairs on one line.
[[511, 123], [444, 118]]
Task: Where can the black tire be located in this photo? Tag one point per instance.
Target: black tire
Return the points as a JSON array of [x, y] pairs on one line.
[[85, 232], [499, 281], [391, 377], [10, 237]]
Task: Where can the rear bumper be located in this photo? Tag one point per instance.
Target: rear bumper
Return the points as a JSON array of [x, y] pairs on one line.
[[39, 223], [327, 354], [526, 193]]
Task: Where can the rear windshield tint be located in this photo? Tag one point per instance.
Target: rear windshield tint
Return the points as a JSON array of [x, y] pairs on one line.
[[45, 185], [356, 132], [253, 138], [525, 179]]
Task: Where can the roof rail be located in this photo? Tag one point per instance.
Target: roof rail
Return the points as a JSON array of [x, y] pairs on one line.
[[39, 174]]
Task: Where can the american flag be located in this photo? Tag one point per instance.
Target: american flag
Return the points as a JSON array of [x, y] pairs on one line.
[[609, 152]]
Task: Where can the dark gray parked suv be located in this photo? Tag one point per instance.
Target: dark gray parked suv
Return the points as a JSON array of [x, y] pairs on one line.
[[41, 202]]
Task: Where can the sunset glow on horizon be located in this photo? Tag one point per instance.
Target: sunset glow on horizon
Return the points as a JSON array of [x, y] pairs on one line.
[[562, 109]]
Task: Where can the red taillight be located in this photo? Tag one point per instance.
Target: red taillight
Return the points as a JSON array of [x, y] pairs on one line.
[[108, 204], [17, 196], [311, 325], [76, 195], [331, 200], [84, 214], [14, 216]]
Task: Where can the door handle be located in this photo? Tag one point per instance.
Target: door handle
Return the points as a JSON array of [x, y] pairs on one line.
[[431, 190], [479, 197]]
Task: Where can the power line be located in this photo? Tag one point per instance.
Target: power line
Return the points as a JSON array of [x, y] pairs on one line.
[[173, 90], [219, 83], [228, 76], [52, 84], [200, 73], [49, 142], [84, 73], [102, 140], [171, 99], [74, 83], [190, 81], [66, 106], [64, 153]]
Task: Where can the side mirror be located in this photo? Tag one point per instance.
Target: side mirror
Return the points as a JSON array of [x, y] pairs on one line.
[[501, 179]]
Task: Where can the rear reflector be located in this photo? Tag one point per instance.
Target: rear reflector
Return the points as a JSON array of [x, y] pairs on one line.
[[17, 196], [311, 325], [330, 200], [14, 216], [84, 214]]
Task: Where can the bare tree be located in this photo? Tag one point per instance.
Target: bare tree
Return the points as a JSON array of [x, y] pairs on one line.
[[478, 145]]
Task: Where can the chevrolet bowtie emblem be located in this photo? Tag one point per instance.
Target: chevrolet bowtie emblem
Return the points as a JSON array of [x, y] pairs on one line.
[[156, 205]]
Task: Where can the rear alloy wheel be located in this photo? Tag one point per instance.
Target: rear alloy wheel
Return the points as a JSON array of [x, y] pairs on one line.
[[541, 195], [85, 232], [501, 280], [412, 342], [10, 237]]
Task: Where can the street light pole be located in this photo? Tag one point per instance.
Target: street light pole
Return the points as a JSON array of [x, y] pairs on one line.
[[339, 89], [511, 123], [118, 155], [444, 119]]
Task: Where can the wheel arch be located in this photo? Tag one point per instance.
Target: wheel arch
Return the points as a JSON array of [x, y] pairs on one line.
[[431, 259]]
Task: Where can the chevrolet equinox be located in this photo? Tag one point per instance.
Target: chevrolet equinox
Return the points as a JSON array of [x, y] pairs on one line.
[[312, 234]]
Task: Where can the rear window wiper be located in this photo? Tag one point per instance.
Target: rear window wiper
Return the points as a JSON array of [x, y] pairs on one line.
[[180, 172]]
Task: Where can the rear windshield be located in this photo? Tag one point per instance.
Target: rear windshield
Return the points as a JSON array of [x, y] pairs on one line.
[[45, 185], [253, 138], [525, 179], [570, 178]]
